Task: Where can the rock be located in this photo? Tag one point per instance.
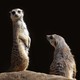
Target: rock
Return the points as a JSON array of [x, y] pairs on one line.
[[29, 75]]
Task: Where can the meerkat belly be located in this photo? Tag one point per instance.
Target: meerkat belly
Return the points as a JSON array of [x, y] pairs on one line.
[[19, 57]]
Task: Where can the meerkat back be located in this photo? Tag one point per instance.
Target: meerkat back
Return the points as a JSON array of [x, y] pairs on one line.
[[21, 41], [63, 61]]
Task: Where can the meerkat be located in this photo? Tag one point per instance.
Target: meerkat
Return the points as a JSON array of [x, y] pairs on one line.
[[21, 41], [63, 61]]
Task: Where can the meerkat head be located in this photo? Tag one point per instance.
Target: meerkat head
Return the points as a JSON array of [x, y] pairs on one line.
[[54, 39], [16, 14]]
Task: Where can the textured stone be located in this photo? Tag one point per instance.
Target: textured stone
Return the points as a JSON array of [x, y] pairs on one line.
[[29, 75]]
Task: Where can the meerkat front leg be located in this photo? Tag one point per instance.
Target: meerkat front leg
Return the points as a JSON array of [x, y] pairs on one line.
[[26, 40]]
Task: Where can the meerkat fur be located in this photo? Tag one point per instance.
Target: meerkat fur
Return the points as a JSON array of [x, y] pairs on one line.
[[21, 41], [63, 60]]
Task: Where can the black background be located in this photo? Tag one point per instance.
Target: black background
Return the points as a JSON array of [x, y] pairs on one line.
[[42, 18]]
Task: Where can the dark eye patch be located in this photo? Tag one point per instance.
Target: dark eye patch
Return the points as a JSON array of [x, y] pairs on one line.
[[51, 37], [13, 12], [19, 11]]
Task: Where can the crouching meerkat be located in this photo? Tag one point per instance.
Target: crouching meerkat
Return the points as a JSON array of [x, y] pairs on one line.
[[21, 41], [63, 61]]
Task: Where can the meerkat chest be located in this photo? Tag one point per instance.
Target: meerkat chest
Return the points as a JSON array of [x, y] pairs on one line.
[[20, 28]]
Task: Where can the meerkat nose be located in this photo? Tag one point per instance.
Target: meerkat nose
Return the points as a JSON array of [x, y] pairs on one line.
[[47, 35], [16, 15]]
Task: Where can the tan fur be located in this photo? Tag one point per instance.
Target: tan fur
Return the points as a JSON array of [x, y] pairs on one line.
[[63, 62], [21, 41], [30, 75]]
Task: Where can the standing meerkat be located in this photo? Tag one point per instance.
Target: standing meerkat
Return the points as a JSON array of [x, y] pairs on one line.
[[63, 62], [21, 41]]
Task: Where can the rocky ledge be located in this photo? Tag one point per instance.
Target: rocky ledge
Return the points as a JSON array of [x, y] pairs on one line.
[[29, 75]]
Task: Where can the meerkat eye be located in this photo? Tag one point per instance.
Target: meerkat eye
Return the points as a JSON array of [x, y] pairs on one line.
[[19, 11], [13, 12], [51, 37]]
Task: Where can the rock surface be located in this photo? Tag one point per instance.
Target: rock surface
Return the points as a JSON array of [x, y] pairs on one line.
[[29, 75]]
